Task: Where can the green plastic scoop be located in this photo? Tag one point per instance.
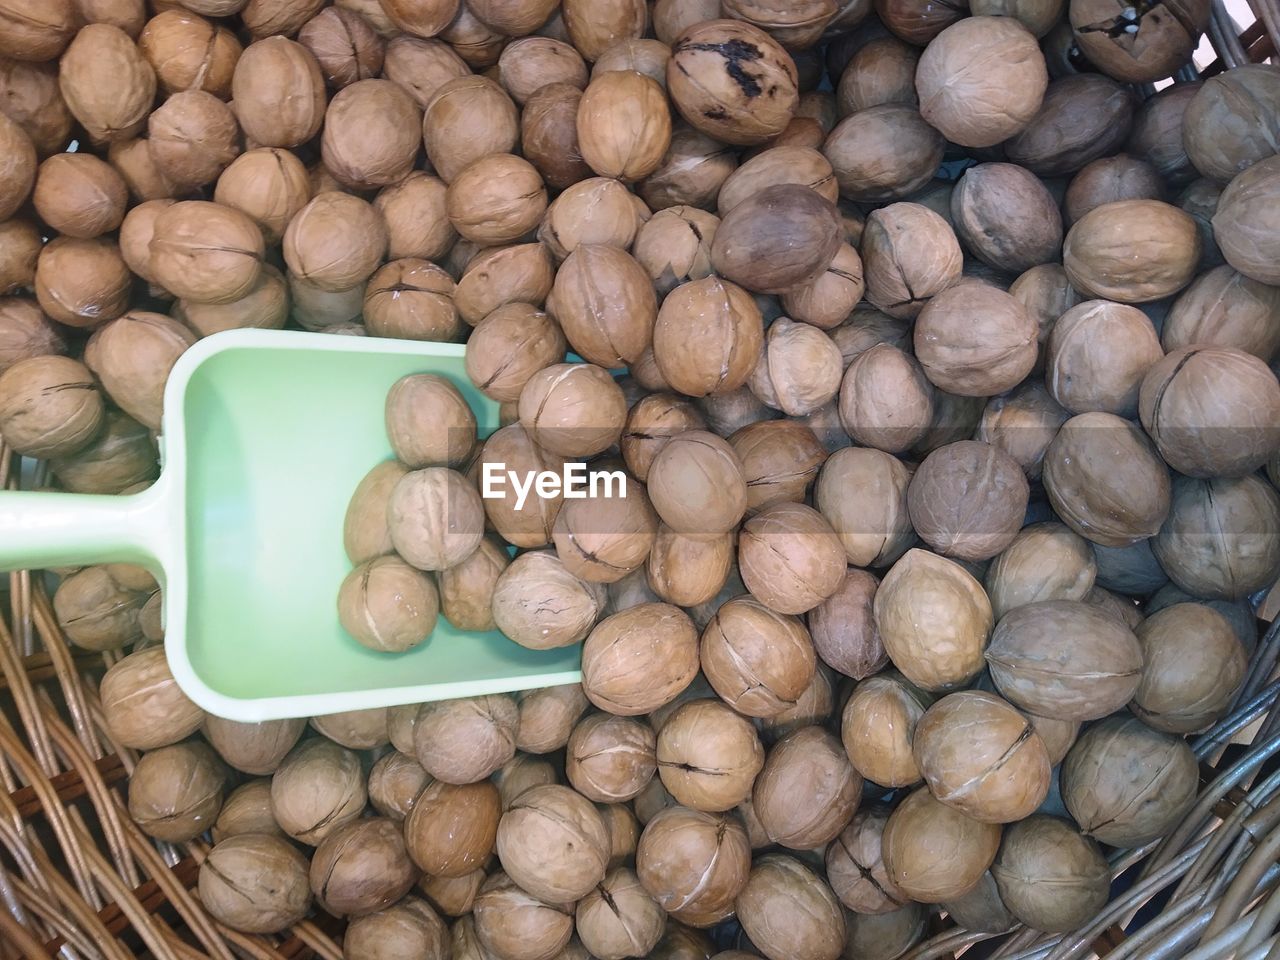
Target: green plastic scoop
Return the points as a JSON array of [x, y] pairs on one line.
[[265, 436]]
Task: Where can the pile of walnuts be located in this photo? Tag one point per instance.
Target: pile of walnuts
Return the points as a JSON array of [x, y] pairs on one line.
[[949, 422]]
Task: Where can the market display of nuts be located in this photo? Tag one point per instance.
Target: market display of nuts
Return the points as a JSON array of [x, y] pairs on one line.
[[945, 453]]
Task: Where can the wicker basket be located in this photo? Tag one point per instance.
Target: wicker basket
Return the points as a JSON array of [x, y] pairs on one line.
[[79, 879]]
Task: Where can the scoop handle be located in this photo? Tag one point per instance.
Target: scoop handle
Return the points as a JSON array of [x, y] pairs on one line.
[[39, 530]]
